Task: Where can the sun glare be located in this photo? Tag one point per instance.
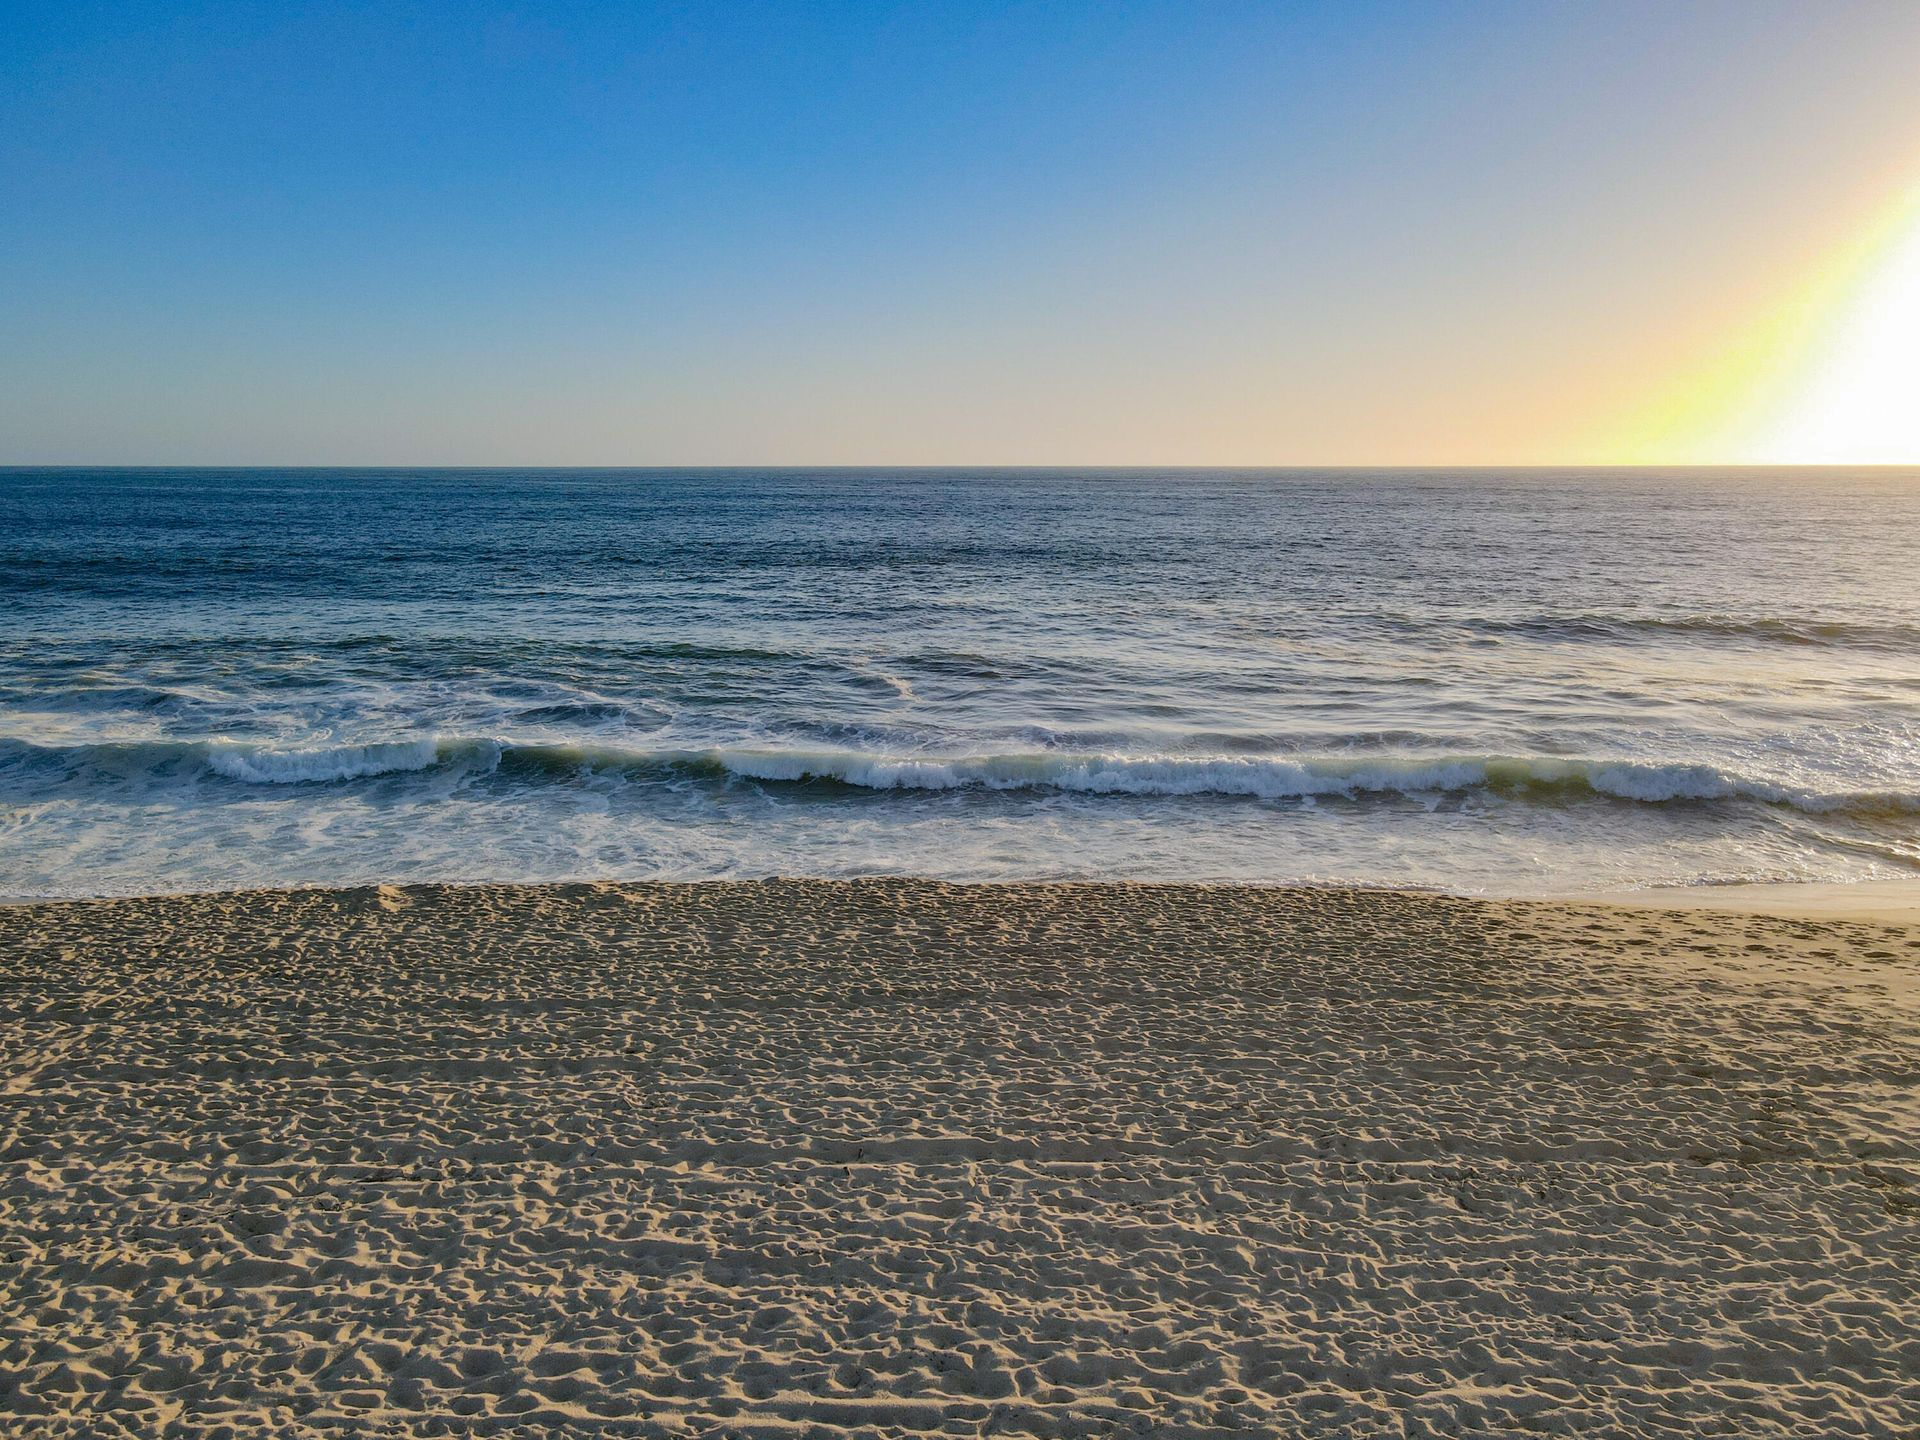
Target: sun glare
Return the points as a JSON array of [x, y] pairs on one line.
[[1828, 375], [1855, 396]]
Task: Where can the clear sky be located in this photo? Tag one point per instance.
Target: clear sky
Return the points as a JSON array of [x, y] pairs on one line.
[[1208, 232]]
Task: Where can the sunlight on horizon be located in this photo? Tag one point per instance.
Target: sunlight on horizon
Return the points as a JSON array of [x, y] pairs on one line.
[[1858, 393], [1828, 375]]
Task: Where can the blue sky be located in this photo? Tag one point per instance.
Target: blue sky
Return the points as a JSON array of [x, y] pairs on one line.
[[811, 233]]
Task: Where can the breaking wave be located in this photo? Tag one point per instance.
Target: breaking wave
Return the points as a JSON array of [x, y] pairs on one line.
[[1535, 779], [340, 762]]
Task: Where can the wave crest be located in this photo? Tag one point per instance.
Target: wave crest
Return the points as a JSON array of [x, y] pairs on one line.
[[1627, 629], [1536, 778], [340, 762], [1263, 778]]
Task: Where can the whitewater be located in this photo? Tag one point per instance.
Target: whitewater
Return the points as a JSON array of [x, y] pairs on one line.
[[1510, 682]]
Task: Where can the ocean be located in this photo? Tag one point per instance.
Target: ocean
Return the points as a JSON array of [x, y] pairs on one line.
[[1513, 682]]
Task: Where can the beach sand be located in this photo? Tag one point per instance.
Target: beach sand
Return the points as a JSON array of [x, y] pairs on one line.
[[811, 1158], [1876, 902]]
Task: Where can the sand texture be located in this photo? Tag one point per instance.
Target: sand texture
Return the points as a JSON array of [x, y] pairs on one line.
[[1874, 902], [882, 1158]]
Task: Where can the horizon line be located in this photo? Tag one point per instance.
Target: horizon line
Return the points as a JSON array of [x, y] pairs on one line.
[[1069, 466]]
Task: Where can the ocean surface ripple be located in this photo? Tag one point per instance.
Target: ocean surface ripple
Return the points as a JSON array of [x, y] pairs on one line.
[[1515, 682]]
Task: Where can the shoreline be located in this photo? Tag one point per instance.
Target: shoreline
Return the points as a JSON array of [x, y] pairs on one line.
[[1876, 902]]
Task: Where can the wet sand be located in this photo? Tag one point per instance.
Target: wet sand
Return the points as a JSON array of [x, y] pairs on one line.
[[878, 1158], [1875, 902]]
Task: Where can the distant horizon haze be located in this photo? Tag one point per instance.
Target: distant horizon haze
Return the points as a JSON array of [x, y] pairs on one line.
[[1091, 469]]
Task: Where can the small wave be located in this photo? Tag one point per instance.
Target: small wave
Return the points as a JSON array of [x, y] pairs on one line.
[[340, 762], [1662, 629], [1536, 779], [1262, 778]]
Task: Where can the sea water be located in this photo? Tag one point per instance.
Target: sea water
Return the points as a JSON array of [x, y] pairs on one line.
[[1507, 682]]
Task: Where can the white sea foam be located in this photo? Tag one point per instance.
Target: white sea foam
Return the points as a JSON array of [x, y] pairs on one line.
[[1298, 777], [1541, 779], [1104, 774], [339, 762], [1146, 675], [1535, 779]]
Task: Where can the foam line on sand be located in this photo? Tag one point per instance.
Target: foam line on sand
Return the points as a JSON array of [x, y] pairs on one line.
[[896, 1157]]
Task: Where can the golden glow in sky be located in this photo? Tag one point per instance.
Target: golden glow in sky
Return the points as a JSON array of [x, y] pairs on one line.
[[1829, 375], [1858, 395], [1463, 233]]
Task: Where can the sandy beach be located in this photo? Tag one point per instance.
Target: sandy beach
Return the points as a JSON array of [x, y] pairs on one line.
[[872, 1158]]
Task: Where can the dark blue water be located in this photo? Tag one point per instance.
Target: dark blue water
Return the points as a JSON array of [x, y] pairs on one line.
[[1515, 681]]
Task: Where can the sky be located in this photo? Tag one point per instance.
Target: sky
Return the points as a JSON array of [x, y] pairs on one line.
[[1195, 233]]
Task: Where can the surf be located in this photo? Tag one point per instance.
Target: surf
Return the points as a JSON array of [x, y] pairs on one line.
[[1537, 779]]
